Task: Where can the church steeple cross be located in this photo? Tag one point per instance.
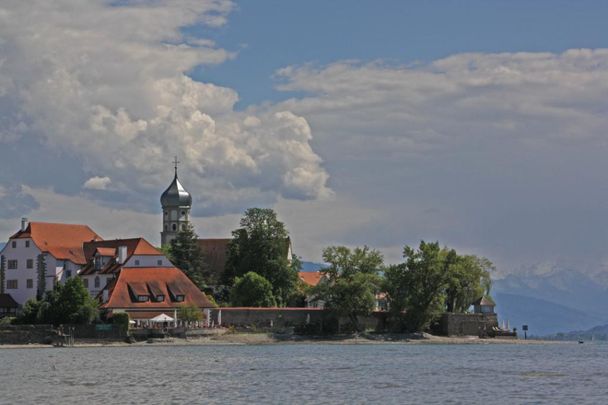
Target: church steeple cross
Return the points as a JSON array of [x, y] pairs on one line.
[[175, 162]]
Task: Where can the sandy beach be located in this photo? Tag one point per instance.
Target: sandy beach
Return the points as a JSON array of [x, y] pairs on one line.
[[268, 338]]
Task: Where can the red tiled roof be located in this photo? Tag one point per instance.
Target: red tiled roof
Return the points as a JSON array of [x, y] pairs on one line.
[[63, 241], [164, 278], [106, 251], [135, 246], [311, 278]]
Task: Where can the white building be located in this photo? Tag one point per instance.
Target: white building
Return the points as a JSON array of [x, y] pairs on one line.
[[59, 247], [105, 259]]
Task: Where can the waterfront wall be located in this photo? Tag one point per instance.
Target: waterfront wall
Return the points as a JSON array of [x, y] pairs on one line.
[[466, 324], [24, 334]]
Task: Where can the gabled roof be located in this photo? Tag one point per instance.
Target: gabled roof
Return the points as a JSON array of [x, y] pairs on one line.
[[311, 278], [485, 300], [7, 301], [160, 279], [135, 246], [63, 241]]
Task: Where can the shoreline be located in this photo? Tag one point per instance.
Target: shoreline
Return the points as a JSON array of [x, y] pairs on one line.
[[243, 339]]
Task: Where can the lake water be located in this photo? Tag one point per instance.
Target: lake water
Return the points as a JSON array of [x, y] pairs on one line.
[[308, 373]]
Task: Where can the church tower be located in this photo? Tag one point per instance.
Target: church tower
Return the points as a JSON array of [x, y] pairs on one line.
[[176, 203]]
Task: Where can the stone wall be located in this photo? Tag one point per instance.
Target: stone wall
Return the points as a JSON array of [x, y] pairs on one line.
[[24, 334], [466, 324], [320, 320]]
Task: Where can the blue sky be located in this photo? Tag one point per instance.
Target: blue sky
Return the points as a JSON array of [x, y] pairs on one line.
[[481, 124], [272, 34]]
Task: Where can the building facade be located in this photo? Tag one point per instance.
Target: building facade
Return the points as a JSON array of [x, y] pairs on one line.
[[41, 254]]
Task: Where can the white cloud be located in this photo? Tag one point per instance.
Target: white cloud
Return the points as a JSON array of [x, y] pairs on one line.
[[108, 84], [97, 183]]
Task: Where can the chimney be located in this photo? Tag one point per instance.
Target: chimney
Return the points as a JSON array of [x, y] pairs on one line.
[[23, 224], [122, 254]]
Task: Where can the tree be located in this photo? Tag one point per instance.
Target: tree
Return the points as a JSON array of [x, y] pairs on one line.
[[190, 313], [41, 276], [261, 245], [431, 281], [66, 303], [353, 282], [187, 255], [468, 279], [252, 290]]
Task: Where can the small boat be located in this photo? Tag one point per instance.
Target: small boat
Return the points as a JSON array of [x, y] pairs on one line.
[[580, 342]]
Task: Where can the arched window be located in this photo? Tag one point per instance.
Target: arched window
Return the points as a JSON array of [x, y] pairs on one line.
[[166, 227], [166, 214], [96, 281], [183, 213], [174, 227]]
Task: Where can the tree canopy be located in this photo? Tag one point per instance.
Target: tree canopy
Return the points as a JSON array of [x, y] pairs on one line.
[[433, 280], [261, 245], [252, 290], [352, 281], [65, 303], [187, 255]]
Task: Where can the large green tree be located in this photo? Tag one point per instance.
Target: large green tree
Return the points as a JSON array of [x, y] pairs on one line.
[[187, 255], [64, 304], [261, 245], [433, 280], [352, 282], [252, 290]]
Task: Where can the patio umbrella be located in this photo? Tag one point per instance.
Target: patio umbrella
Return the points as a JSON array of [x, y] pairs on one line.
[[161, 318]]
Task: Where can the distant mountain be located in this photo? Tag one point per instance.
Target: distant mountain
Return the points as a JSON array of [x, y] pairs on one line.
[[565, 287], [543, 317], [311, 266], [596, 333]]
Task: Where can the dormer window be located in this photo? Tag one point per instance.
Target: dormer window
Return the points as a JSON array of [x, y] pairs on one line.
[[159, 298], [142, 298], [179, 298]]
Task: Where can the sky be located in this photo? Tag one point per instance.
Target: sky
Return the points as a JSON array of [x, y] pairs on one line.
[[480, 124]]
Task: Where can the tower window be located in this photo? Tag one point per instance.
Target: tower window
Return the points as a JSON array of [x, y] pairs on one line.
[[166, 214], [174, 227], [183, 213], [166, 227]]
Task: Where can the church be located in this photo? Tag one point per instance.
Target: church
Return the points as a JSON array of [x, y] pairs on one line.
[[176, 203]]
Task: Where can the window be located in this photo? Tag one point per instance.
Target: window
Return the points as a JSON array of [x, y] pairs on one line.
[[137, 262], [27, 243], [11, 284], [159, 262], [166, 214], [166, 227], [12, 264], [29, 283], [29, 263], [68, 273], [179, 298], [183, 213], [159, 298], [96, 281], [85, 282], [174, 227], [14, 244], [142, 298]]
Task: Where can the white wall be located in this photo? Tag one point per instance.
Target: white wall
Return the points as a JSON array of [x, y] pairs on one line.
[[21, 274], [148, 261]]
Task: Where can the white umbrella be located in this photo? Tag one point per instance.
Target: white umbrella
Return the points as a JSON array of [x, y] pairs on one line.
[[161, 318]]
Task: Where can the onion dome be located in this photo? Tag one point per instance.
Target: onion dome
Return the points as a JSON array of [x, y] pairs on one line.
[[176, 194]]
